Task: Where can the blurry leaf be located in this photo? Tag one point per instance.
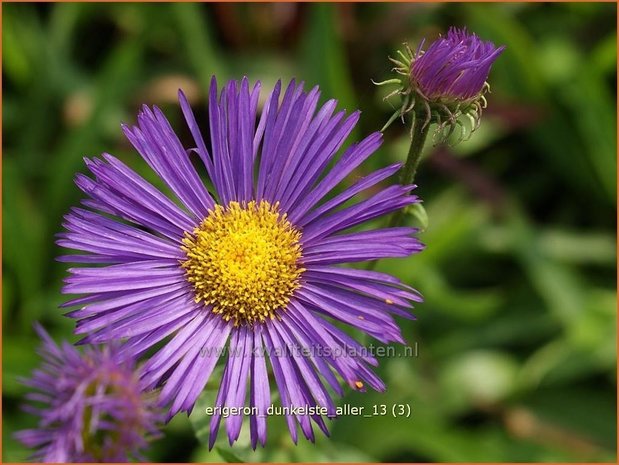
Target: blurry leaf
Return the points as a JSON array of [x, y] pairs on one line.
[[196, 34], [604, 56], [583, 154], [504, 29], [14, 61], [467, 305], [25, 235], [418, 212], [577, 411], [324, 60], [116, 81], [426, 436], [479, 377], [595, 330], [63, 21], [454, 223], [513, 325], [561, 60], [268, 68], [488, 133], [227, 455], [8, 285], [21, 38], [579, 247], [557, 284], [559, 364], [203, 455], [325, 450], [62, 70], [198, 418], [583, 89], [596, 117], [19, 358], [14, 451]]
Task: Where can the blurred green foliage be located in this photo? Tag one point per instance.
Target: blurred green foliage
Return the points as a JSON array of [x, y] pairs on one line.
[[517, 336]]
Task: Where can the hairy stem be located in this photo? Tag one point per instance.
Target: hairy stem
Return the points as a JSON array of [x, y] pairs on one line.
[[407, 176]]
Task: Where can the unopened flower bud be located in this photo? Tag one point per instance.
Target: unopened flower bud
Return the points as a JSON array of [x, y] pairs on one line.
[[445, 82]]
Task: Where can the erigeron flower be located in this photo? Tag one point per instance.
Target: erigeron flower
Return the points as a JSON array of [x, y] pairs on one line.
[[248, 260], [91, 406]]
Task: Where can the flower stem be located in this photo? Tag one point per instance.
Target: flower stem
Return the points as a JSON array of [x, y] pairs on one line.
[[407, 177]]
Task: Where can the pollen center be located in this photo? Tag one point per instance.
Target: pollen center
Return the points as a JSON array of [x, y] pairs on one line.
[[243, 261]]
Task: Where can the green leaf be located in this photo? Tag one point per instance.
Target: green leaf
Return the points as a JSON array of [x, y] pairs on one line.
[[195, 29], [587, 247], [418, 212], [25, 235], [19, 358], [577, 411], [116, 82], [479, 377], [324, 60], [227, 455], [198, 418]]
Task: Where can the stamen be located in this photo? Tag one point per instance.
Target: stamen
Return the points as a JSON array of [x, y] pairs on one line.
[[243, 261]]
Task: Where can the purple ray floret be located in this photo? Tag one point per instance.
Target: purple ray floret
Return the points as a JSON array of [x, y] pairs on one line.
[[91, 406], [454, 67], [248, 269]]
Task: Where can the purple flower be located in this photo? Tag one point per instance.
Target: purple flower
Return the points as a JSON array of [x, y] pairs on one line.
[[444, 83], [247, 266], [453, 68], [91, 406]]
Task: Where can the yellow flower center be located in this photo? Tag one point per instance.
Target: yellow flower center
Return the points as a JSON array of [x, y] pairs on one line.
[[243, 261]]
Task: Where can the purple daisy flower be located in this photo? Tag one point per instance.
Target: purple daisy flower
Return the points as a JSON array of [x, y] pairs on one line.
[[250, 264], [454, 67], [91, 406]]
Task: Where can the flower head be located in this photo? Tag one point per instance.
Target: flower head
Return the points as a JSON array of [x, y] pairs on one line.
[[91, 406], [454, 68], [249, 269], [446, 81]]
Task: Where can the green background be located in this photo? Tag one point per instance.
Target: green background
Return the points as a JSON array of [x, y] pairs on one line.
[[517, 336]]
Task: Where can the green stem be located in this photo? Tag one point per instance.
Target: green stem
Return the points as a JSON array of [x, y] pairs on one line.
[[418, 139], [407, 177]]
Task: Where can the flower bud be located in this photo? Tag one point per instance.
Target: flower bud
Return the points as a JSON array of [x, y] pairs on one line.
[[445, 82]]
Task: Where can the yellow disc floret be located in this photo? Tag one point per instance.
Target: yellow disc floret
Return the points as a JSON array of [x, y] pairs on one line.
[[243, 261]]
